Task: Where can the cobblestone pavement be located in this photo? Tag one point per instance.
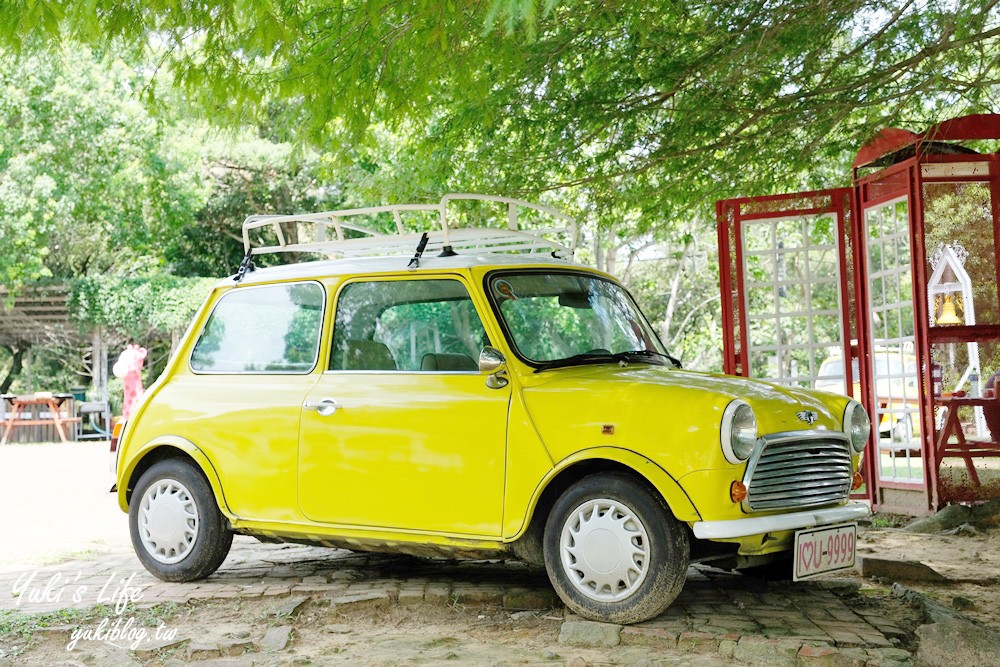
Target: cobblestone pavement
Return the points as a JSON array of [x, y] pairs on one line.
[[717, 613], [718, 616]]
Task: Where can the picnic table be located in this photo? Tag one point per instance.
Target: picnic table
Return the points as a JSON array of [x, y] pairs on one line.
[[36, 404], [963, 447]]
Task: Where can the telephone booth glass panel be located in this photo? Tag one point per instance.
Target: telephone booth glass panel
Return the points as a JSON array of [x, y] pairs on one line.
[[793, 301], [894, 368], [963, 315]]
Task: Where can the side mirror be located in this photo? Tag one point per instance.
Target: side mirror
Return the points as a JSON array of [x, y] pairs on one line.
[[492, 362]]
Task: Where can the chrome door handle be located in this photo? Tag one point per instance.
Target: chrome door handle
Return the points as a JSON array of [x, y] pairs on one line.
[[325, 407]]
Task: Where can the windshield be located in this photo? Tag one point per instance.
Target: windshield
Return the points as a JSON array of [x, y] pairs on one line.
[[557, 316]]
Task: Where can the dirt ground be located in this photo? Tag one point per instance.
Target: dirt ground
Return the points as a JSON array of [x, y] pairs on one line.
[[382, 636], [971, 562]]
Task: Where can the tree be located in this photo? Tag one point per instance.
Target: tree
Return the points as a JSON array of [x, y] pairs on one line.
[[248, 175], [677, 103], [89, 181]]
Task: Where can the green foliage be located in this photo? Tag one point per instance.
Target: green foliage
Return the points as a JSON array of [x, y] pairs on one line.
[[633, 116], [677, 287], [661, 106], [16, 623], [88, 180], [213, 244], [138, 308]]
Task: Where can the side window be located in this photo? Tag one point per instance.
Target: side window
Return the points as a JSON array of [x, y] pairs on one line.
[[269, 329], [407, 325]]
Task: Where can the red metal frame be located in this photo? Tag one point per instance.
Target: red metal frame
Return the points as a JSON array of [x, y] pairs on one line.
[[904, 178], [841, 203]]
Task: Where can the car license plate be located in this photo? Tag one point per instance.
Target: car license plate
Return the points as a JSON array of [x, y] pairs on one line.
[[820, 550]]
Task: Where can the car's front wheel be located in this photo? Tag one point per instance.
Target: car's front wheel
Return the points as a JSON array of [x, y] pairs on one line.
[[177, 529], [613, 551]]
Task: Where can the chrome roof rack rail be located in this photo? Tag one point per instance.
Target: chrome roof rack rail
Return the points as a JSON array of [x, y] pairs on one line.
[[355, 240]]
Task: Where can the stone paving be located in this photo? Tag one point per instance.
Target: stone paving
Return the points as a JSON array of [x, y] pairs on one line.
[[730, 616]]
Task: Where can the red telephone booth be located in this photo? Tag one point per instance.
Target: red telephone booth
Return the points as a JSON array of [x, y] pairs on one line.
[[886, 291]]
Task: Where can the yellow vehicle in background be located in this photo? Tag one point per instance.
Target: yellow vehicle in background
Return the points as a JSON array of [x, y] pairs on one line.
[[896, 390], [484, 397]]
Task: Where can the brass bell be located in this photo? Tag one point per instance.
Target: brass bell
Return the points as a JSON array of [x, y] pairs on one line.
[[948, 315]]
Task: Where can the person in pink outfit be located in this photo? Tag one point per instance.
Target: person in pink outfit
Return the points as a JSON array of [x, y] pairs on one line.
[[129, 369]]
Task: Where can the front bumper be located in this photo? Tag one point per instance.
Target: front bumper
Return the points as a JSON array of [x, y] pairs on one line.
[[720, 530]]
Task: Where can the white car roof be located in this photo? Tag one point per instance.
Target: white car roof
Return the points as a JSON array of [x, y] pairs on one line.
[[394, 264]]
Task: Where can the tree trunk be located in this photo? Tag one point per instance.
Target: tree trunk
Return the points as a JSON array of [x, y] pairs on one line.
[[17, 361]]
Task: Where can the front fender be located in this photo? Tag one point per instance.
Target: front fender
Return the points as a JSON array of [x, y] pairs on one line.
[[680, 505], [172, 442]]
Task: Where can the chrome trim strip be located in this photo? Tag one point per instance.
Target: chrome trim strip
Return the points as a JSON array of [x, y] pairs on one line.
[[718, 530], [398, 372]]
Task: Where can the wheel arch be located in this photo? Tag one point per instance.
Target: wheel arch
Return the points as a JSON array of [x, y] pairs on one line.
[[169, 447], [527, 544]]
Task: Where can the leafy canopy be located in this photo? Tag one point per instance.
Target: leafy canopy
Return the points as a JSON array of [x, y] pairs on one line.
[[662, 106], [633, 116], [88, 180]]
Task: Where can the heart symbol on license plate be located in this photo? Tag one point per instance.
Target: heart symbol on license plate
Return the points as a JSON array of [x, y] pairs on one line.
[[806, 553]]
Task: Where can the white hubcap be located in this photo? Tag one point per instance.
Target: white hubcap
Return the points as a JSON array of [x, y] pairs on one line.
[[604, 550], [168, 521]]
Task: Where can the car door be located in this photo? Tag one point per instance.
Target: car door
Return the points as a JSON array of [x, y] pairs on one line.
[[402, 431], [239, 397]]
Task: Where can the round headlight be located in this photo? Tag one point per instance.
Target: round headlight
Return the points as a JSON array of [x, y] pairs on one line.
[[739, 432], [857, 426]]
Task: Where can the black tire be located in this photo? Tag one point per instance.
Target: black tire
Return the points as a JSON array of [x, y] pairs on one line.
[[204, 553], [639, 509]]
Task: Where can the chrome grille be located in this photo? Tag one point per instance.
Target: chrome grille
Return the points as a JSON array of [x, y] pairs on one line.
[[799, 469]]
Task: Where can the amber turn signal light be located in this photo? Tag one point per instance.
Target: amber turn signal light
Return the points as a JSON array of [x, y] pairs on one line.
[[858, 481], [737, 492], [116, 434]]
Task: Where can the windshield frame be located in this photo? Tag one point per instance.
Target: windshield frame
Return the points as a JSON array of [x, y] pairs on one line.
[[502, 323]]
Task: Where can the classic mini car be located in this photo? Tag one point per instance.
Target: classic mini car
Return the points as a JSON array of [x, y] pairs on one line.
[[468, 392]]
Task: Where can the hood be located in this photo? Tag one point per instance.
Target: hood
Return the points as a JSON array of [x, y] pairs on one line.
[[775, 406]]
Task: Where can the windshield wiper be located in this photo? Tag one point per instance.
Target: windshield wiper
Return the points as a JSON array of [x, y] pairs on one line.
[[583, 359], [622, 358], [653, 353]]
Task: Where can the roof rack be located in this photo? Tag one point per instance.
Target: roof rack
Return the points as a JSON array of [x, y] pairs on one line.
[[355, 240]]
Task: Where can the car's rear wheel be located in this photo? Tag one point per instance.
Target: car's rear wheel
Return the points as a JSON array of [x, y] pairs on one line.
[[613, 551], [177, 529]]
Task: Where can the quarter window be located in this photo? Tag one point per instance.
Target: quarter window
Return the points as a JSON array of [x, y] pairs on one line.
[[269, 329], [407, 325]]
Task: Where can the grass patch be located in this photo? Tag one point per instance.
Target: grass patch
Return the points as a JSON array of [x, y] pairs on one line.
[[887, 520], [14, 622], [154, 616]]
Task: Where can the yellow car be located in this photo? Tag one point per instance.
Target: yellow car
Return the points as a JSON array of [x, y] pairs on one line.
[[479, 404], [896, 390]]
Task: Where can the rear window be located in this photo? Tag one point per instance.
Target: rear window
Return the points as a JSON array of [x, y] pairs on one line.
[[267, 329]]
